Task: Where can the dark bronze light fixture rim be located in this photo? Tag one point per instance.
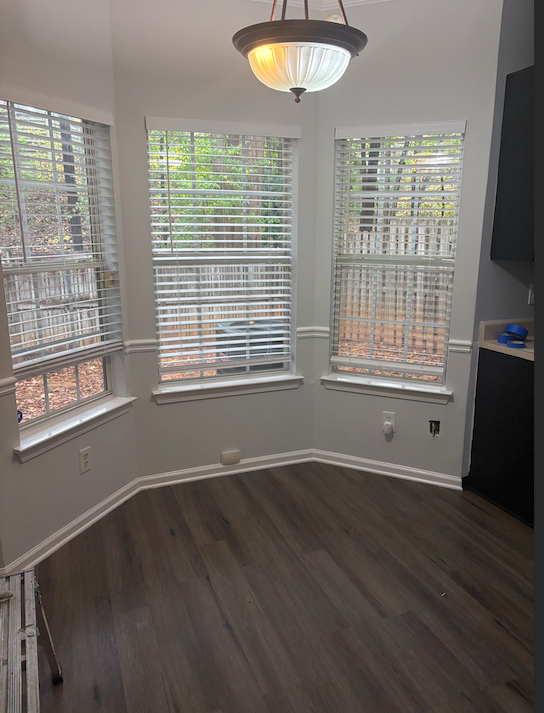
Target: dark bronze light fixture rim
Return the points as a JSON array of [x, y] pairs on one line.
[[278, 31]]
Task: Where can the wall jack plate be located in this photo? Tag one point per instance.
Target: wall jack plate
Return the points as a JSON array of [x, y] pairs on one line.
[[230, 457]]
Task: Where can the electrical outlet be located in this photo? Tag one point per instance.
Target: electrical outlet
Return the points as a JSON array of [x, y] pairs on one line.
[[389, 418], [85, 460], [434, 428]]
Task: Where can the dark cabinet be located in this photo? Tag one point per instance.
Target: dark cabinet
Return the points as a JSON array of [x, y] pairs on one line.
[[513, 223], [502, 460]]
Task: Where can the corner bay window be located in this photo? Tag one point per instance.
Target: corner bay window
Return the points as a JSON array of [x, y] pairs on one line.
[[221, 220], [59, 260], [396, 213]]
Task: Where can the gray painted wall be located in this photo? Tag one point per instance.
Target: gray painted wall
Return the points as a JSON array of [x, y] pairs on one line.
[[503, 287], [423, 62], [171, 72], [42, 49], [174, 58]]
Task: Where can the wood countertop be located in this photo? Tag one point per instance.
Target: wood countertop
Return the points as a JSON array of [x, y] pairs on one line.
[[491, 329]]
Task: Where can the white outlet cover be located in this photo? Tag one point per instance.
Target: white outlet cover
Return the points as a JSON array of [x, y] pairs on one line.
[[85, 460], [390, 416]]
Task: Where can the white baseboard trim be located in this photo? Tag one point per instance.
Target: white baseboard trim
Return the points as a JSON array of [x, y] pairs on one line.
[[74, 528], [214, 470], [428, 477]]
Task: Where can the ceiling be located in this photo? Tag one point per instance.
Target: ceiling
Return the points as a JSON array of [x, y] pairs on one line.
[[323, 4]]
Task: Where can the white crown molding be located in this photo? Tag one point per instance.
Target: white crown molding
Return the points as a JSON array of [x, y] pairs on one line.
[[313, 333], [74, 528], [136, 346], [7, 386], [462, 346]]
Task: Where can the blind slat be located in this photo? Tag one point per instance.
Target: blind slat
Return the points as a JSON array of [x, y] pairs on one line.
[[396, 214], [220, 209], [60, 267]]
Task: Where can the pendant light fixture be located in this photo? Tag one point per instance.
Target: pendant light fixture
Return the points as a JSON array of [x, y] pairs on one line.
[[300, 55]]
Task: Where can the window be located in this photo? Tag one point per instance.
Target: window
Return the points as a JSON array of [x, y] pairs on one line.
[[396, 208], [59, 262], [221, 219]]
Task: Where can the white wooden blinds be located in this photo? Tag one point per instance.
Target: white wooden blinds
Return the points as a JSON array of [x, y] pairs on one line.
[[221, 223], [57, 239], [396, 214]]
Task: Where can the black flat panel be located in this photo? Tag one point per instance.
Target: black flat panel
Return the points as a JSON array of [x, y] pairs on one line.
[[513, 225], [502, 462]]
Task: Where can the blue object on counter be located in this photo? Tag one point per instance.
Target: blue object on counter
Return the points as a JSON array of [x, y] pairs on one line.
[[516, 344], [504, 338], [516, 329]]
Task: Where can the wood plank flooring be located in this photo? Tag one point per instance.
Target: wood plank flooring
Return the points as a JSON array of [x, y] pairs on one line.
[[303, 589]]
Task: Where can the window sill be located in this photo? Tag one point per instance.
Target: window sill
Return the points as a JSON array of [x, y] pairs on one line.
[[387, 387], [227, 387], [42, 437]]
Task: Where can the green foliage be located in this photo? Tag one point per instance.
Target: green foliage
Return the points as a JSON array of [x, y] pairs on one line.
[[414, 169], [209, 191], [52, 183]]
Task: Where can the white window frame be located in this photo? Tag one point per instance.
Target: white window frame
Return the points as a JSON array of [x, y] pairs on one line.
[[255, 381], [61, 425], [372, 383]]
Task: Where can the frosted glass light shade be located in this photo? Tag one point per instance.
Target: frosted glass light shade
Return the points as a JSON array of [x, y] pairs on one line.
[[312, 66], [299, 55]]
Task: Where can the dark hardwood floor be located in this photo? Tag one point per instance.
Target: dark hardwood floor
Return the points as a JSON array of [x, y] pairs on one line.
[[304, 589]]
